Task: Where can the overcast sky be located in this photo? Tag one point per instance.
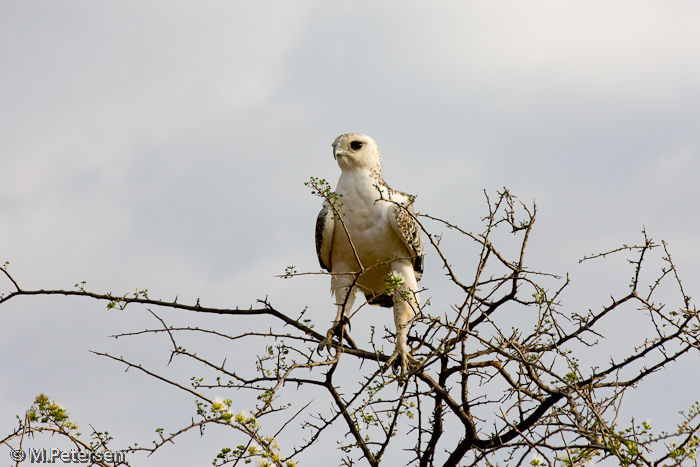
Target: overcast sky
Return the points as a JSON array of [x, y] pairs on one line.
[[164, 144]]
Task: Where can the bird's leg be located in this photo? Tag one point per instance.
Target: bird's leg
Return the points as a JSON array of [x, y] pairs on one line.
[[401, 356], [405, 306], [345, 296]]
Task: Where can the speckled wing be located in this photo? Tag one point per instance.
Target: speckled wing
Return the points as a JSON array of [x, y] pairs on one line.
[[409, 231], [325, 224]]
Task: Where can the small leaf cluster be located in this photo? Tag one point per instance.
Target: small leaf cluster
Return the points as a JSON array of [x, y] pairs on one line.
[[46, 411]]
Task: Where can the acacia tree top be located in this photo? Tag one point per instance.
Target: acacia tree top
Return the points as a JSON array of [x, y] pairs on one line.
[[500, 368]]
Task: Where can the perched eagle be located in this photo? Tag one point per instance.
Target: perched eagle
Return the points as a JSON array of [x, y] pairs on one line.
[[378, 222]]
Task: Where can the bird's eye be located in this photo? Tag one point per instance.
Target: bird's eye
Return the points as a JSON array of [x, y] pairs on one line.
[[356, 145]]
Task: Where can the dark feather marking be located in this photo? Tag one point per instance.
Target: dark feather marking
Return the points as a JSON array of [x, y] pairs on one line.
[[383, 300], [320, 224]]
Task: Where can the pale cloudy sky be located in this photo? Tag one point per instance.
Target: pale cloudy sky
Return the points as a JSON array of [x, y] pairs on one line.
[[164, 144]]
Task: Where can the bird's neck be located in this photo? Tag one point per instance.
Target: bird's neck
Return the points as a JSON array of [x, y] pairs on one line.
[[362, 180], [362, 175]]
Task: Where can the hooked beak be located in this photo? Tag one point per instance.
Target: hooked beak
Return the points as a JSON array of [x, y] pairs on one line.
[[338, 152]]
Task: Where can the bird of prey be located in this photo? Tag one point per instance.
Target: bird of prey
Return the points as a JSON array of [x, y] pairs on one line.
[[374, 245]]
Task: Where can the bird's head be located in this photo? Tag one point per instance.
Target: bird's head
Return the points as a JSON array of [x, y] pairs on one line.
[[354, 150]]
